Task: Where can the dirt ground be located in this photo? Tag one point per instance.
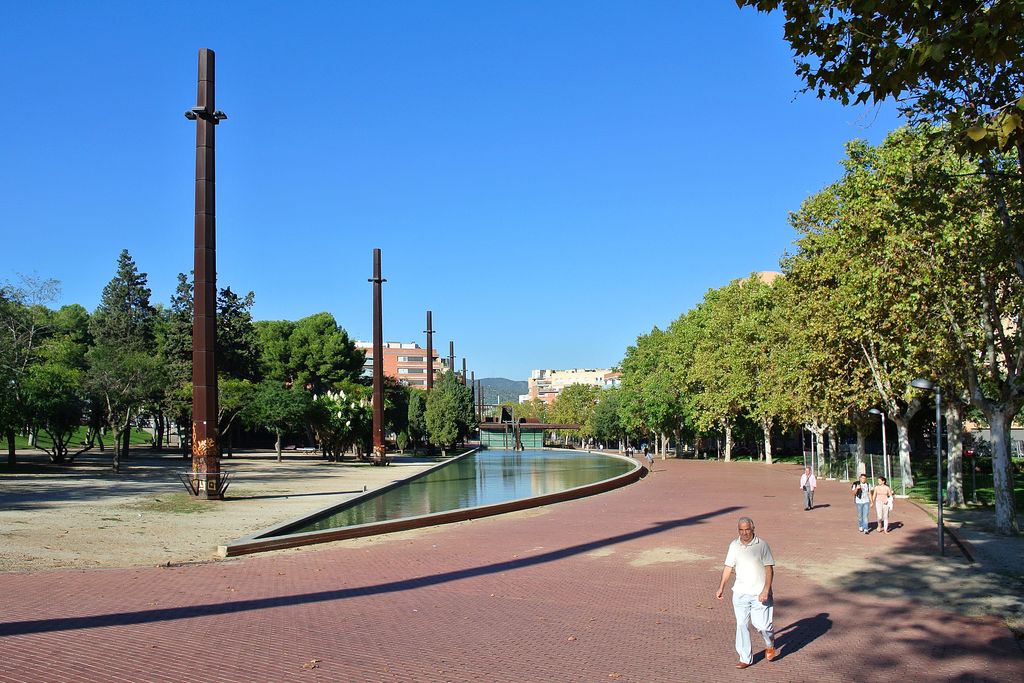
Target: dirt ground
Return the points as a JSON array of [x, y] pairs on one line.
[[85, 516]]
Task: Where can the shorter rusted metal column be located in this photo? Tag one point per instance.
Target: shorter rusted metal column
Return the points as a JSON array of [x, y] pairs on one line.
[[451, 357], [379, 448], [463, 372], [430, 353]]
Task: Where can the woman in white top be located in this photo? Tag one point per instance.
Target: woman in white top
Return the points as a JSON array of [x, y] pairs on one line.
[[881, 496]]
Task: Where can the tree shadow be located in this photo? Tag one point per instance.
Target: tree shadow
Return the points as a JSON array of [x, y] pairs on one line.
[[192, 611], [801, 633]]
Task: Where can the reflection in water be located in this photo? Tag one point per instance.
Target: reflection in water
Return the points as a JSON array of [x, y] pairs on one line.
[[484, 478]]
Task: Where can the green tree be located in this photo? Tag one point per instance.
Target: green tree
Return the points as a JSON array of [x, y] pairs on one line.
[[237, 341], [174, 340], [449, 413], [22, 329], [605, 423], [396, 405], [55, 386], [944, 62], [652, 399], [417, 422], [575, 404], [341, 419], [315, 352], [123, 368], [277, 409]]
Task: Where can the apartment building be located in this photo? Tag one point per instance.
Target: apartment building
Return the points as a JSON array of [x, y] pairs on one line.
[[405, 361], [547, 384]]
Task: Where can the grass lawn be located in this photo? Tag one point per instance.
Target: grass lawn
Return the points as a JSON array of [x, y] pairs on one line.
[[138, 438], [924, 485]]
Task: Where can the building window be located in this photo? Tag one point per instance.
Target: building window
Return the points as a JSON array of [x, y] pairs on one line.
[[412, 371], [412, 359]]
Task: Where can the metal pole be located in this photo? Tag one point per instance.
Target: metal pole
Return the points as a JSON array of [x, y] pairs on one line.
[[451, 357], [885, 450], [938, 463], [379, 449], [463, 371], [430, 353], [205, 442]]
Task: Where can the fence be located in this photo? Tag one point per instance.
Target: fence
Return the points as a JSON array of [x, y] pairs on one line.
[[843, 467]]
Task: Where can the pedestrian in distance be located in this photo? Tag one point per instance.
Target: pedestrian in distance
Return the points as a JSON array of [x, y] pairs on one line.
[[881, 497], [750, 558], [808, 482], [649, 458], [862, 492]]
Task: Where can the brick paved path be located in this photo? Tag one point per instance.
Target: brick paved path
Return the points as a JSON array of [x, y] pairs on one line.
[[617, 587]]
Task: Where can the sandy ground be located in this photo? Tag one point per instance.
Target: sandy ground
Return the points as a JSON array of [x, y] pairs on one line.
[[85, 516]]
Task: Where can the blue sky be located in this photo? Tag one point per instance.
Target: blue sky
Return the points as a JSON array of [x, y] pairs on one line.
[[551, 179]]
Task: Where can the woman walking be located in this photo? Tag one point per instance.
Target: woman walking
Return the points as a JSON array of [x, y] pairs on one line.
[[881, 496]]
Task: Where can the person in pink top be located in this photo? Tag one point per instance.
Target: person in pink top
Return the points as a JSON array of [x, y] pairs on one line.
[[808, 483], [882, 496]]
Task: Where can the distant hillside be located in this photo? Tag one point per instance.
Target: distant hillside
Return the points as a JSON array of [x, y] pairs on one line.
[[507, 389]]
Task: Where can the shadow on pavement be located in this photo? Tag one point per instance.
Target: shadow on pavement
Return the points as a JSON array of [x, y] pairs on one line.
[[192, 611], [800, 633]]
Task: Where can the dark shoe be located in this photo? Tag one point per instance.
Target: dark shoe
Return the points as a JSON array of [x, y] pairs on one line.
[[741, 665], [769, 653]]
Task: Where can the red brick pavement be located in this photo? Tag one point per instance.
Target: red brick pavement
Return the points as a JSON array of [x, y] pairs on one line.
[[554, 596]]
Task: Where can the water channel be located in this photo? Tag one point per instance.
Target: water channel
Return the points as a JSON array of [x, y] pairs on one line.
[[483, 478]]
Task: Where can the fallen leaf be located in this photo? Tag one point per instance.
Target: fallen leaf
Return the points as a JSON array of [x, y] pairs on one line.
[[312, 664], [571, 638]]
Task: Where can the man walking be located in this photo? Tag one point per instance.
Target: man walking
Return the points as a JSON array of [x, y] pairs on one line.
[[808, 482], [751, 559], [861, 499]]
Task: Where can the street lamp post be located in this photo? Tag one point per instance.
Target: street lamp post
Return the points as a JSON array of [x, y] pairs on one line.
[[885, 447], [928, 385]]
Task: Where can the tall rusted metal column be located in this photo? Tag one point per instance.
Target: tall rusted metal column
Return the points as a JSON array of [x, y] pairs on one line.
[[464, 372], [430, 353], [379, 449], [480, 398], [206, 480], [451, 357], [472, 387]]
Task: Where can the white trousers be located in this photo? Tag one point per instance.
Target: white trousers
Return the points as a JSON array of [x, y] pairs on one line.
[[751, 611]]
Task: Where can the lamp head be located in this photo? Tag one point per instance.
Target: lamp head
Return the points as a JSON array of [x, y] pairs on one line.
[[875, 411], [191, 115], [925, 384]]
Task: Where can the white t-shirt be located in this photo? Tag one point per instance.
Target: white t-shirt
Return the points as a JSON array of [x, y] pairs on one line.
[[748, 562]]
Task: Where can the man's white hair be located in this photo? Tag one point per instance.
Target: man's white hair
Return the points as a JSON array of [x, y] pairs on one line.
[[748, 520]]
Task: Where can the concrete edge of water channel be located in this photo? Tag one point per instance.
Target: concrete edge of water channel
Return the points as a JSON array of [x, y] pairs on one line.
[[272, 538]]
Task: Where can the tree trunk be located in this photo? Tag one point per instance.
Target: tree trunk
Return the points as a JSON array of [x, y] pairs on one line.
[[126, 437], [955, 448], [819, 444], [158, 423], [766, 425], [861, 448], [833, 451], [728, 440], [1002, 472], [12, 449], [277, 445], [903, 434], [116, 464]]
